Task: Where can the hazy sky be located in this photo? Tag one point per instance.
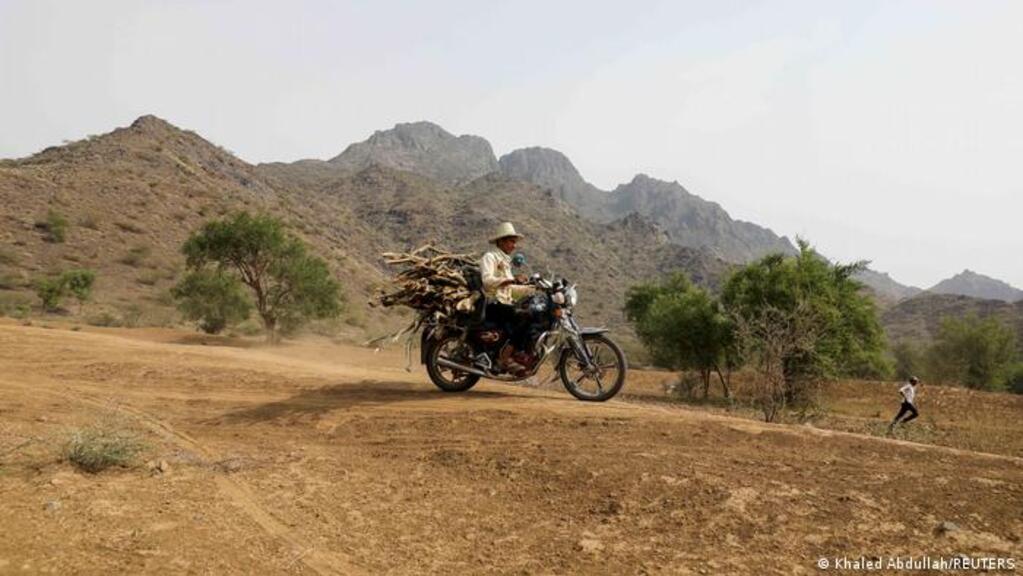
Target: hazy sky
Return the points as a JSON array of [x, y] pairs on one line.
[[890, 131]]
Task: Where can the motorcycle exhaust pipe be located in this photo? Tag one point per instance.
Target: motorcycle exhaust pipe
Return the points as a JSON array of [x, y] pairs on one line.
[[456, 366]]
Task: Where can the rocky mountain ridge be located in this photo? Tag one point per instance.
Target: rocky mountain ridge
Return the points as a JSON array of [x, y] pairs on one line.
[[970, 283], [422, 148]]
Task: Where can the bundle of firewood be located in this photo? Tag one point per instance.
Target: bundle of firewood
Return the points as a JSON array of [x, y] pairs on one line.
[[431, 281]]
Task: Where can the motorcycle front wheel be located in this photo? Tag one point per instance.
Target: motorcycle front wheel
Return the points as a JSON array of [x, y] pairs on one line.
[[449, 379], [603, 379]]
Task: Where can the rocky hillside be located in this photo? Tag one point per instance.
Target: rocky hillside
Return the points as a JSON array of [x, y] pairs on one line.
[[407, 209], [918, 319], [887, 290], [687, 219], [422, 148], [428, 150], [970, 283], [552, 170], [132, 196], [692, 221]]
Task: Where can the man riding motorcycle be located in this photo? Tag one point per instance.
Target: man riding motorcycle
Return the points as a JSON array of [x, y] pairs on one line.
[[502, 289], [509, 333]]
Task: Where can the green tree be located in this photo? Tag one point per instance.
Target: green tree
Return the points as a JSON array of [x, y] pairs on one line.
[[909, 360], [819, 299], [79, 283], [211, 298], [288, 285], [51, 292], [973, 352], [683, 328], [1014, 378]]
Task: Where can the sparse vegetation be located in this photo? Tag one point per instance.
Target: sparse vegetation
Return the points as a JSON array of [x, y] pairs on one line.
[[1014, 378], [289, 286], [100, 447], [55, 225], [770, 339], [51, 292], [212, 299], [15, 305], [79, 283], [973, 352]]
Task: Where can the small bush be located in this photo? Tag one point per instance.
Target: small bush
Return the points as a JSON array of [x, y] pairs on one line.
[[97, 448], [51, 292], [79, 284], [55, 226], [1014, 378]]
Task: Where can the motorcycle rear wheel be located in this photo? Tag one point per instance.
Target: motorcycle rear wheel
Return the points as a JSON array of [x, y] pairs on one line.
[[448, 379]]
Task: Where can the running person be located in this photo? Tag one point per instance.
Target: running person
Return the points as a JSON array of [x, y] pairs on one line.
[[908, 392]]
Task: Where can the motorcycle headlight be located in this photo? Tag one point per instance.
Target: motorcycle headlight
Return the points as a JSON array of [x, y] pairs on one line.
[[538, 304], [571, 297], [558, 298]]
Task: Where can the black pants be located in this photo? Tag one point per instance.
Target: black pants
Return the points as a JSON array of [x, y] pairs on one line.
[[906, 408], [508, 320]]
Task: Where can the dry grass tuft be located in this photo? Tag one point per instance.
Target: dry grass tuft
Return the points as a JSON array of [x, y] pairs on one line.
[[97, 448]]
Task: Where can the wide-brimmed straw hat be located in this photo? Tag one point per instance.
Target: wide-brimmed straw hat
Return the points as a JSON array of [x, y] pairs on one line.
[[504, 230]]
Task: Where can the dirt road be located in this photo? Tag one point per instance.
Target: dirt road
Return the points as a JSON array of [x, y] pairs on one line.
[[320, 459]]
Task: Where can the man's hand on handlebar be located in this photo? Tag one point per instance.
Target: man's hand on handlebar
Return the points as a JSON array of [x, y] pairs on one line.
[[519, 279]]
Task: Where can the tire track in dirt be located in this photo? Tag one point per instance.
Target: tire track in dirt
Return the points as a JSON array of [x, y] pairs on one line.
[[324, 562]]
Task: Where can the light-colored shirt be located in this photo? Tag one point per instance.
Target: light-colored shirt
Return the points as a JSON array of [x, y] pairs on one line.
[[496, 268], [909, 393]]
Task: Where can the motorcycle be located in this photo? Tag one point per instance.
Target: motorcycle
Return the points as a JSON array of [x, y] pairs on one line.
[[460, 350]]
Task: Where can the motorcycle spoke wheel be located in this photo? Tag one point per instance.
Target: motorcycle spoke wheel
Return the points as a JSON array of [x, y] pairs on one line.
[[605, 375], [450, 379], [452, 350]]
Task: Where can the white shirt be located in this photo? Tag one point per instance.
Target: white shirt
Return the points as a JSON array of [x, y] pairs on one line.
[[909, 393], [496, 268]]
